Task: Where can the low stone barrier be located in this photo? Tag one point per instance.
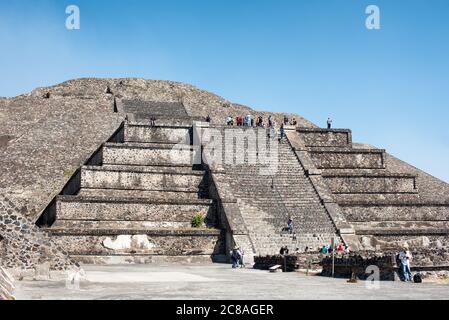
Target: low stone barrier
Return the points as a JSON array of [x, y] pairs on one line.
[[360, 263], [6, 285], [308, 260], [288, 263]]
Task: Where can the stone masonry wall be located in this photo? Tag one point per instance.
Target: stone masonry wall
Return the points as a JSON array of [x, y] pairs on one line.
[[131, 210], [135, 133], [93, 177], [349, 159], [141, 155], [164, 244], [24, 245], [404, 212], [370, 184], [325, 138]]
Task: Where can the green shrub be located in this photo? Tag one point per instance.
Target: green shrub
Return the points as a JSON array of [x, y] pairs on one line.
[[198, 221]]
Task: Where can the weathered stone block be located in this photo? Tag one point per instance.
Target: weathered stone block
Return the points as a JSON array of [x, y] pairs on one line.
[[81, 208], [396, 212], [145, 133], [170, 244], [139, 179], [315, 137], [371, 184], [146, 155], [327, 158]]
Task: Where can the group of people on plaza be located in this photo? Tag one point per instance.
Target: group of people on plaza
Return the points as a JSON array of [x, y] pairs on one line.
[[337, 248]]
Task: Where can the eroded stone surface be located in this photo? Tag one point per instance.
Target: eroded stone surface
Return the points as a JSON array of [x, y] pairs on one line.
[[128, 242]]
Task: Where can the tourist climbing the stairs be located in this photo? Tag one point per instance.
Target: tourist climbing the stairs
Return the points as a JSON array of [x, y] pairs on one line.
[[290, 225], [281, 133], [270, 122]]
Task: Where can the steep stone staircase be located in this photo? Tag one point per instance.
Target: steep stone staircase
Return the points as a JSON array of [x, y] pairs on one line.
[[136, 204], [269, 194]]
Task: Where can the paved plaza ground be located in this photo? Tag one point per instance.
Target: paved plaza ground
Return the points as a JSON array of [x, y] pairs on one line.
[[217, 281]]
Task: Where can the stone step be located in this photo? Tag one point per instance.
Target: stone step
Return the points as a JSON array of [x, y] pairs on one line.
[[173, 242], [167, 134], [139, 194], [157, 259], [145, 117], [102, 208], [347, 158], [148, 154], [200, 232], [371, 183], [159, 109], [423, 226], [139, 179], [317, 137], [162, 121], [398, 231], [154, 169], [260, 239], [375, 198], [120, 224], [396, 211]]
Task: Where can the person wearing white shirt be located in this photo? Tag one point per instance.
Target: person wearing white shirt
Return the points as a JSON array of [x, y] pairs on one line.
[[405, 256]]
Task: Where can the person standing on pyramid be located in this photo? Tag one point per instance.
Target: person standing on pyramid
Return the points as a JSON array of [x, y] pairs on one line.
[[270, 122], [329, 123]]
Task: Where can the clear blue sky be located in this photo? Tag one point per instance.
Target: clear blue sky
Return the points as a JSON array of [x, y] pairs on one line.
[[315, 58]]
